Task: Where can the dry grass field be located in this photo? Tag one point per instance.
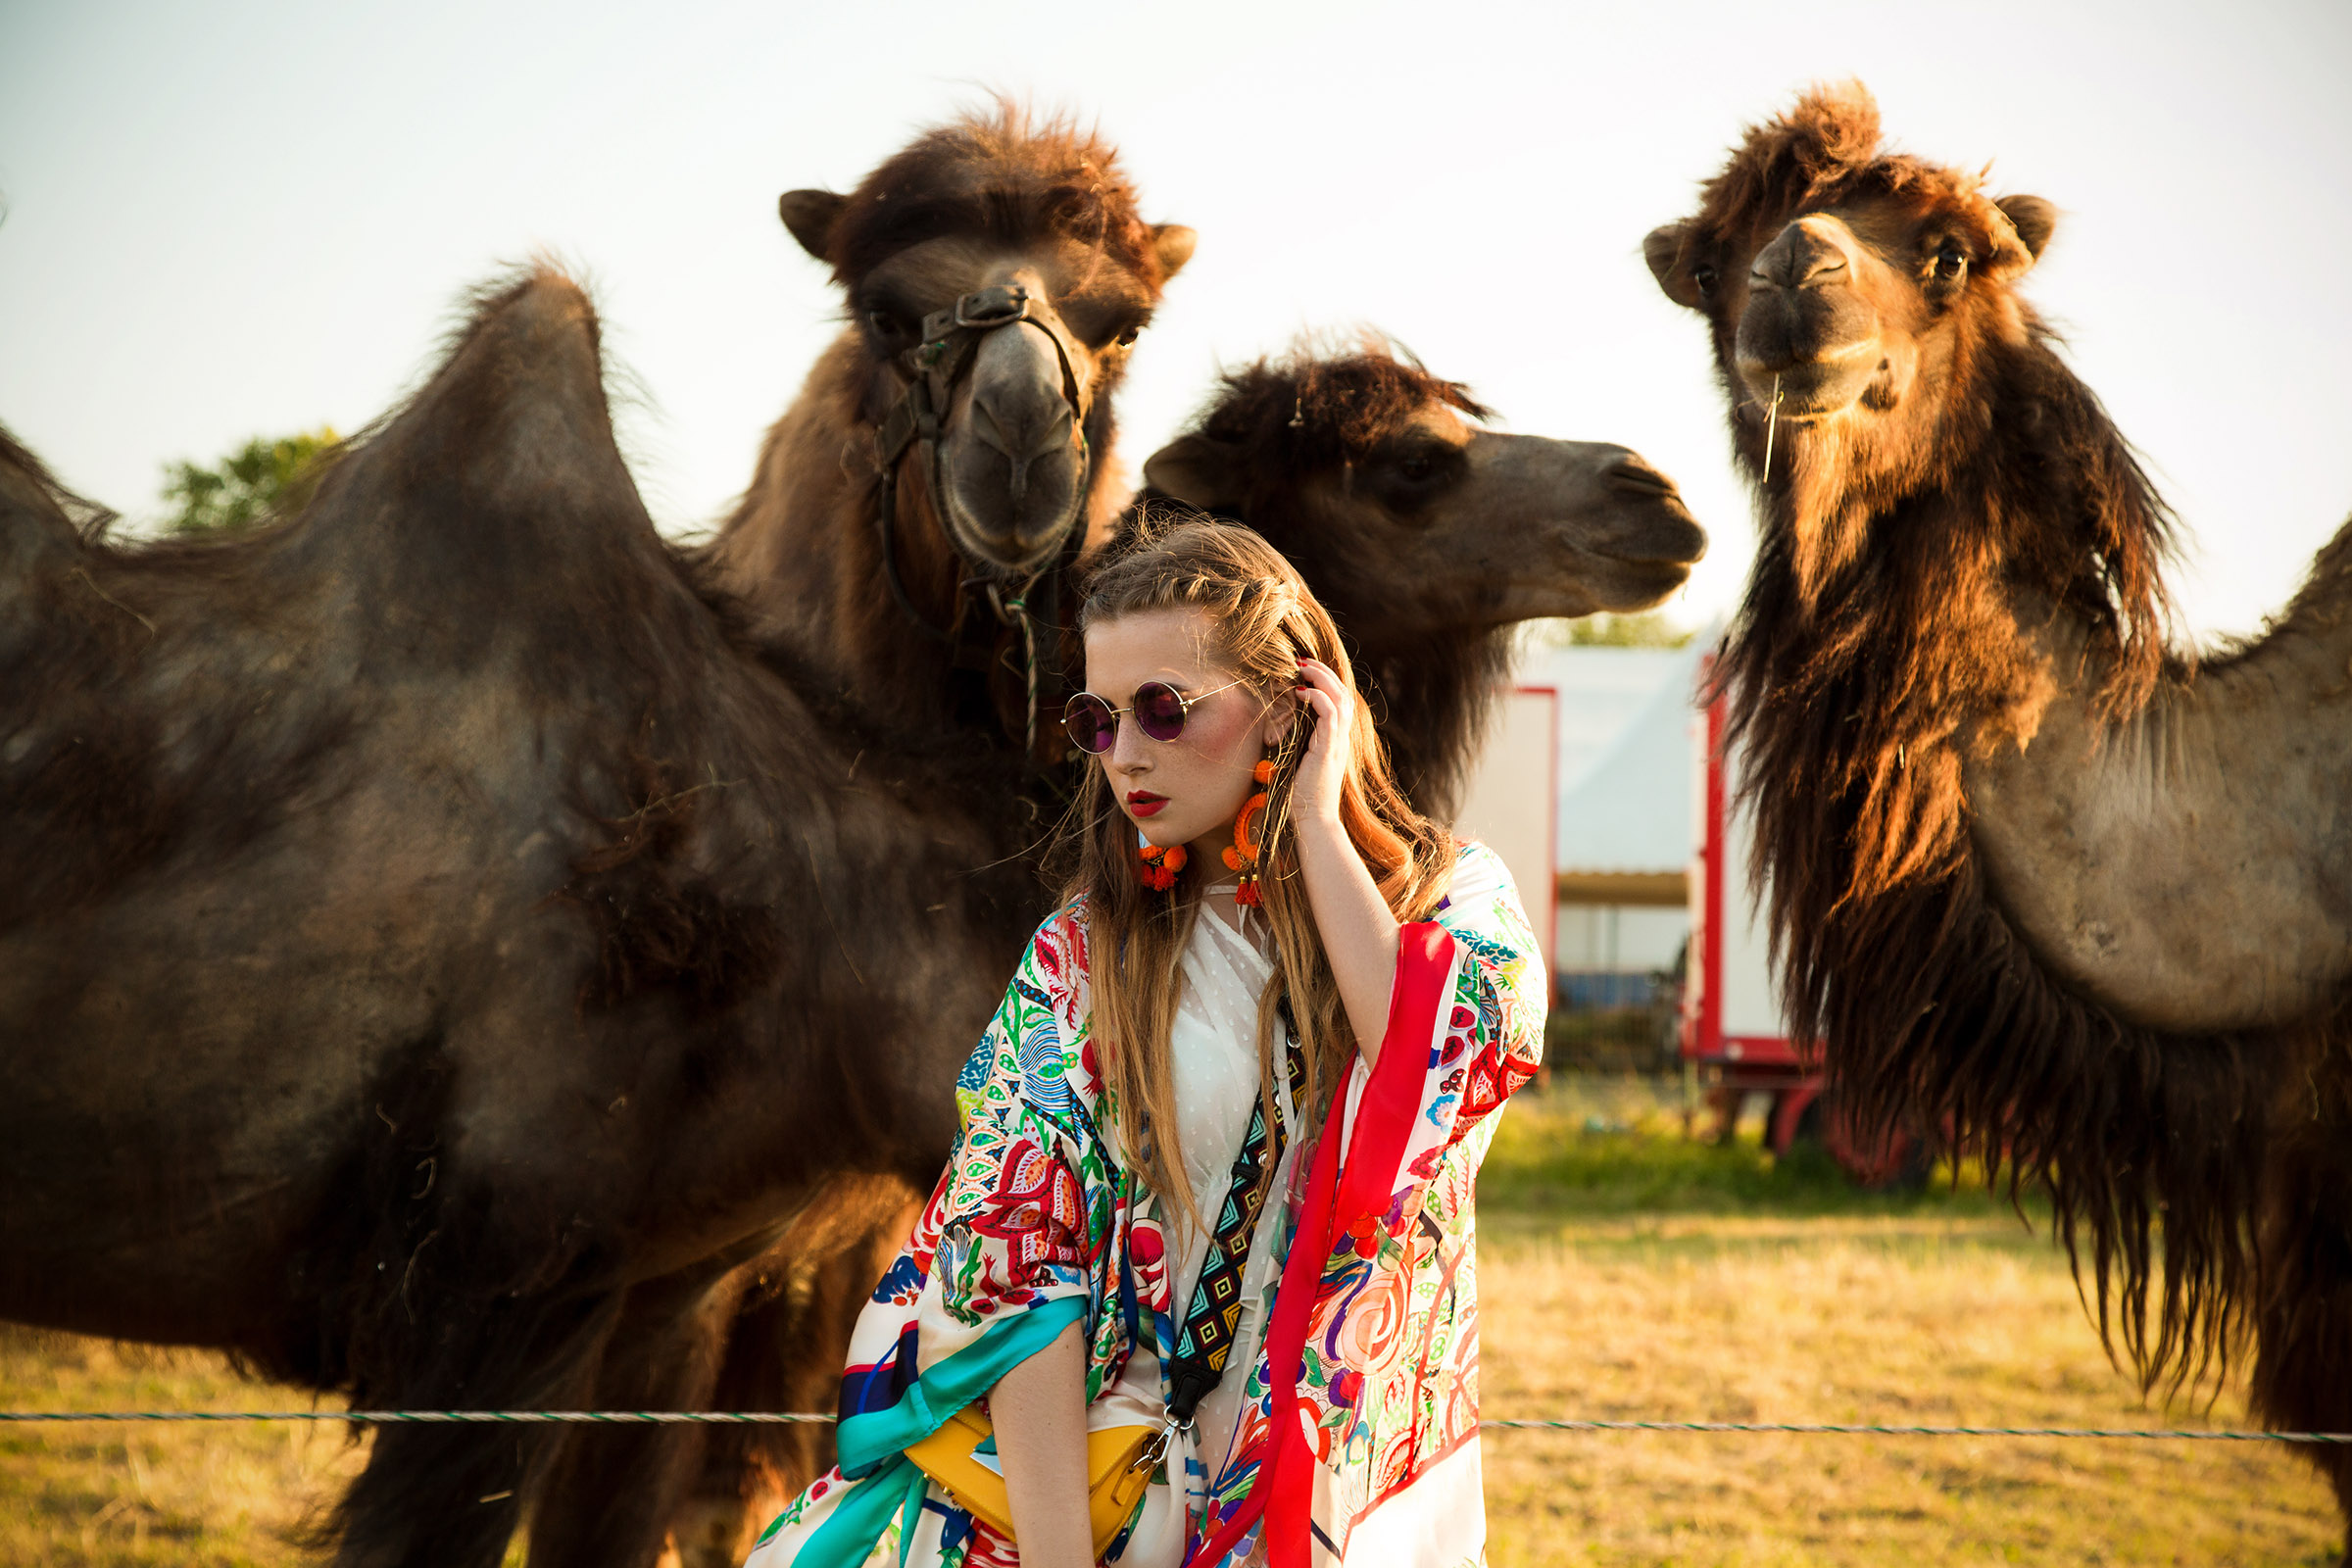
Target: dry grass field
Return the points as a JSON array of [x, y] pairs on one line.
[[1628, 1273]]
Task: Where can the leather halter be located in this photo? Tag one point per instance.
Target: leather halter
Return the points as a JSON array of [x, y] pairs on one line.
[[951, 338]]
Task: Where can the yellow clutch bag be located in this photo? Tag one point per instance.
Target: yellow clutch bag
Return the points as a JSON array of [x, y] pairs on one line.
[[962, 1456]]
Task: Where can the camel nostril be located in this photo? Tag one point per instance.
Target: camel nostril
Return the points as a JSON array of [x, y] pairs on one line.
[[1639, 477], [1802, 255]]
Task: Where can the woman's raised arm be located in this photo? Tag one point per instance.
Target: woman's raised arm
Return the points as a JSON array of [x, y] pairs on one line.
[[1359, 934]]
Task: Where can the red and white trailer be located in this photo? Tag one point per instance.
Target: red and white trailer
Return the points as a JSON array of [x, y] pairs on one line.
[[1735, 1041]]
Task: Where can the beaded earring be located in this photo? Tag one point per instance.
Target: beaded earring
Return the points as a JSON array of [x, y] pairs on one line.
[[1241, 857], [1157, 866]]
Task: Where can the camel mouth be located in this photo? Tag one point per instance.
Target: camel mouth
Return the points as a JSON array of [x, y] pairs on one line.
[[1030, 534], [1642, 550], [1015, 464], [1637, 583], [1634, 571], [1813, 389], [1813, 352], [1658, 533]]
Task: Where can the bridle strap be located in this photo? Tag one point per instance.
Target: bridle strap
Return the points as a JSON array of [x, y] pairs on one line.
[[951, 340]]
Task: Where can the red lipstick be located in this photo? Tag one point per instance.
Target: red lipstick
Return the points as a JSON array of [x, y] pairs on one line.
[[1142, 803]]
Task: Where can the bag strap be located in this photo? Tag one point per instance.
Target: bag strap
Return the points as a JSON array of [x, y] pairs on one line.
[[1205, 1341]]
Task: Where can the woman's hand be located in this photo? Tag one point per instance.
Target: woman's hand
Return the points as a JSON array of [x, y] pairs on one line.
[[1315, 791], [1359, 933]]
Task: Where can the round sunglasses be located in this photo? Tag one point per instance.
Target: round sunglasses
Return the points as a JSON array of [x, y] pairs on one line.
[[1159, 710]]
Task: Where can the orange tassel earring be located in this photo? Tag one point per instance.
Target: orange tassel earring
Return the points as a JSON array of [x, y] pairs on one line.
[[1158, 867], [1243, 855]]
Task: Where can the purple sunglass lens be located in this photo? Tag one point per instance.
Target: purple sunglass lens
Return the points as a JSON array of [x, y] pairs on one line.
[[1158, 710], [1089, 721]]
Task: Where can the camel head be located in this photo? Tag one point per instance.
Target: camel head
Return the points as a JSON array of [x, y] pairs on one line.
[[1853, 292], [996, 220], [1412, 520], [1428, 536]]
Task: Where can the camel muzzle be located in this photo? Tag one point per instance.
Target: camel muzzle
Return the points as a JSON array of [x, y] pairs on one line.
[[1013, 466], [1584, 525], [1808, 334], [939, 373]]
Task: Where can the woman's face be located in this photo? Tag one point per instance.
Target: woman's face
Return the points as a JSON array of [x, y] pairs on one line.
[[1189, 790]]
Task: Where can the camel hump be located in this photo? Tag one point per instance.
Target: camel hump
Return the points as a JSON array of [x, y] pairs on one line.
[[36, 512], [498, 494], [42, 541]]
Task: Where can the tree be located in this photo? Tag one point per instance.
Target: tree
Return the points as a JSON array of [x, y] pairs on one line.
[[1651, 628], [262, 477]]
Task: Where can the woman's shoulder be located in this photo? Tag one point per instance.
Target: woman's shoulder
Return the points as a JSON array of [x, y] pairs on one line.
[[1479, 877], [1053, 967], [1482, 907], [1061, 938]]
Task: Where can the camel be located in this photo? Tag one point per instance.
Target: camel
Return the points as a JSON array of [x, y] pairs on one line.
[[1429, 539], [2041, 888]]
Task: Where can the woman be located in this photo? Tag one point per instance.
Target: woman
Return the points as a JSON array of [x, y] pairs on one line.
[[1270, 976]]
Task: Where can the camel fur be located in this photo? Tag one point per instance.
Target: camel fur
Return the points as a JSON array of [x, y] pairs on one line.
[[2043, 888]]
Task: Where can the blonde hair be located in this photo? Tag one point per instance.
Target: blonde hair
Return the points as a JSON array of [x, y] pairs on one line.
[[1262, 618]]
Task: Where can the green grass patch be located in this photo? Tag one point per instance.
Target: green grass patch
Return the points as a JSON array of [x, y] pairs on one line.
[[1598, 1147]]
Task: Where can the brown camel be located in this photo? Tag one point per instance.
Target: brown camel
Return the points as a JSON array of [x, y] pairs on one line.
[[919, 592], [1429, 539], [2041, 888]]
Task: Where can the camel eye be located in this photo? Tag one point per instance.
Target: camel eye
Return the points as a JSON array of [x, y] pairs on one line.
[[1950, 260], [1703, 277], [884, 324], [1128, 335]]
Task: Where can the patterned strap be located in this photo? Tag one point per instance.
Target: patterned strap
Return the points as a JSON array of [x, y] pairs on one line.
[[1216, 1312]]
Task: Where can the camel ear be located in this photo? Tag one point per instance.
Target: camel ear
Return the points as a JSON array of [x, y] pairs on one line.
[[811, 215], [1198, 471], [1662, 248], [2034, 221], [1172, 244]]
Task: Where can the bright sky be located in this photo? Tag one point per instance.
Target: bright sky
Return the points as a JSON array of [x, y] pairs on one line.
[[254, 217]]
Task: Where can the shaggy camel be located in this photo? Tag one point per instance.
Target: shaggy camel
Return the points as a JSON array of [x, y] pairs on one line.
[[1429, 539], [2040, 887], [918, 592]]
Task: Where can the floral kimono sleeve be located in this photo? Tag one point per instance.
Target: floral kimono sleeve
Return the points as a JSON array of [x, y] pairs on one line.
[[1501, 992], [1027, 1204]]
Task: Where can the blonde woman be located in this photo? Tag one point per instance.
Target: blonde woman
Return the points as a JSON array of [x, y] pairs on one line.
[[1210, 1211]]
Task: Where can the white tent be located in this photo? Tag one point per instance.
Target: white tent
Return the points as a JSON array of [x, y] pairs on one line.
[[1625, 830], [1628, 809]]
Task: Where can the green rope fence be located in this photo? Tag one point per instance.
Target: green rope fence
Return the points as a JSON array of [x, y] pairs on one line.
[[771, 1417]]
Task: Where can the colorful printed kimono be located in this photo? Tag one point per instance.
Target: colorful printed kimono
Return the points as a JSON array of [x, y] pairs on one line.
[[1359, 1440]]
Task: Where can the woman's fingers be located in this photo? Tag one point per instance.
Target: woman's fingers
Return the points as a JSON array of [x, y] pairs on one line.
[[1322, 691]]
